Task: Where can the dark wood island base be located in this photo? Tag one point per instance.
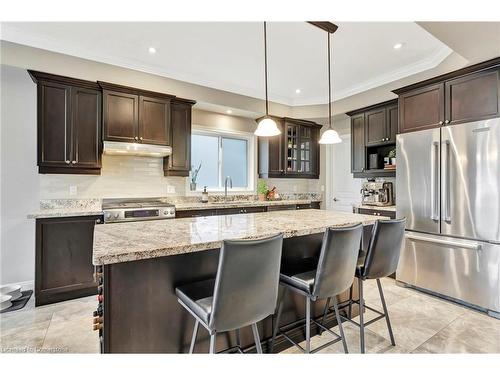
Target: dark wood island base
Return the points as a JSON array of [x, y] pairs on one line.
[[142, 315]]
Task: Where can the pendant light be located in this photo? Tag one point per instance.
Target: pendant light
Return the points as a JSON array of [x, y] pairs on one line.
[[329, 136], [266, 126]]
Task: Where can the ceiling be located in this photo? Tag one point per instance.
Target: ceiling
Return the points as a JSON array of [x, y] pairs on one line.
[[229, 56]]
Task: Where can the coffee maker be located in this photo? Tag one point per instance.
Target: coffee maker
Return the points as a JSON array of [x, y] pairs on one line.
[[377, 193]]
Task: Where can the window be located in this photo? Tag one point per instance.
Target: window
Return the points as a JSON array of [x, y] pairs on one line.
[[222, 155]]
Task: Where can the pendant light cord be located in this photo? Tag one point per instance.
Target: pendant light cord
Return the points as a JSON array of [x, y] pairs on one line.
[[265, 66], [329, 87]]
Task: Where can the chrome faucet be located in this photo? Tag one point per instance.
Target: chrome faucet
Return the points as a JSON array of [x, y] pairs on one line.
[[228, 178]]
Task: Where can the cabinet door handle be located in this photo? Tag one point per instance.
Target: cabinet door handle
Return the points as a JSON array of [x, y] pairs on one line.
[[446, 121], [136, 138], [73, 162], [440, 122], [140, 138], [67, 161]]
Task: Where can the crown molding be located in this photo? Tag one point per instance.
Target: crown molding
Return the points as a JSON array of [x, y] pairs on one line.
[[12, 34]]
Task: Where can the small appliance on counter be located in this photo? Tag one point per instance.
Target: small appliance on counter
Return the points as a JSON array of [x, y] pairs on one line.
[[377, 193]]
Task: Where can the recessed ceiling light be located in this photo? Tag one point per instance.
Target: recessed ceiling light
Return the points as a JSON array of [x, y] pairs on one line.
[[152, 50], [229, 111], [297, 91], [397, 46]]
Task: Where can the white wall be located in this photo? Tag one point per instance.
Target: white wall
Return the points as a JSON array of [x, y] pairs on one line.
[[19, 179]]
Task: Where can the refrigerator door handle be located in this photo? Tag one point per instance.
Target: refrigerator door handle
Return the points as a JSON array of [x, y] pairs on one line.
[[434, 181], [462, 244], [447, 187]]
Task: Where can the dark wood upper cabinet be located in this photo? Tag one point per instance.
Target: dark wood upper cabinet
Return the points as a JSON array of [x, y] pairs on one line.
[[154, 120], [292, 154], [422, 108], [121, 116], [375, 126], [179, 162], [69, 124], [86, 104], [54, 124], [392, 116], [465, 95], [136, 115], [271, 153], [373, 131], [473, 97], [358, 143]]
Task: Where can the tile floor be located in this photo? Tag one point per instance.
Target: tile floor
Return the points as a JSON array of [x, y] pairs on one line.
[[421, 324]]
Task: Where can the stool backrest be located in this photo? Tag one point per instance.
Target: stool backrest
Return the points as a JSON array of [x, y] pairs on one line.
[[337, 260], [246, 286], [382, 256]]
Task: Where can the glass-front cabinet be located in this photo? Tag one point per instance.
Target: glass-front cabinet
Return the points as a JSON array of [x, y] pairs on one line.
[[292, 148], [297, 151]]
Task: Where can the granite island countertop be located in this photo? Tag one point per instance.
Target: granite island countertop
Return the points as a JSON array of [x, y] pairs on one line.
[[130, 241]]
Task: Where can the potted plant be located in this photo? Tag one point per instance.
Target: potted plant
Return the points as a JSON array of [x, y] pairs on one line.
[[392, 156], [262, 190], [194, 176]]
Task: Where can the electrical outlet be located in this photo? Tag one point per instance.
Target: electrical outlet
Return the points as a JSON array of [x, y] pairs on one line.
[[170, 189], [322, 187], [73, 190]]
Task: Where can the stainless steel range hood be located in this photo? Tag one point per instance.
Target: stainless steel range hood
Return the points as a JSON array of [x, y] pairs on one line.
[[136, 149]]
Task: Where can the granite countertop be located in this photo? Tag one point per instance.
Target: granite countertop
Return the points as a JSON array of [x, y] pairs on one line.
[[52, 208], [211, 205], [379, 208], [123, 242], [67, 208]]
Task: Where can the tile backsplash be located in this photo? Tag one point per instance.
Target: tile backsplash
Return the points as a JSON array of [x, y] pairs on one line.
[[294, 185], [139, 177], [121, 177]]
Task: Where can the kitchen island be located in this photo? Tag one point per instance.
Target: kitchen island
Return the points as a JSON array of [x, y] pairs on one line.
[[141, 263]]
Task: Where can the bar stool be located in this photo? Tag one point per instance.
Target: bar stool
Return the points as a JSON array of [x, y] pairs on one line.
[[333, 274], [244, 291], [380, 260]]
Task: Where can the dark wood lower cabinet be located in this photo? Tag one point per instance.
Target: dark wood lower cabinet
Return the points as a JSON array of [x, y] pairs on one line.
[[377, 212], [63, 267], [194, 213], [245, 210]]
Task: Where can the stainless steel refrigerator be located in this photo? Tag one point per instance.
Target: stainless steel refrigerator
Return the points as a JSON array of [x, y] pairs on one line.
[[448, 188]]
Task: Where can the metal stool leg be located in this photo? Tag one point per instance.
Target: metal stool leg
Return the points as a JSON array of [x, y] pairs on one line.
[[308, 325], [339, 322], [361, 322], [256, 338], [276, 323], [350, 300], [324, 314], [379, 284], [238, 338], [212, 343], [193, 338]]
